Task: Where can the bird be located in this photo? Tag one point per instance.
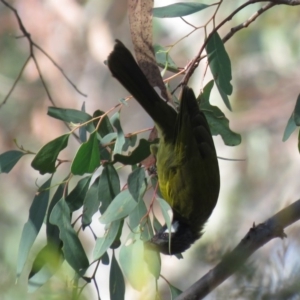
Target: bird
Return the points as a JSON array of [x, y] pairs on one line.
[[186, 159]]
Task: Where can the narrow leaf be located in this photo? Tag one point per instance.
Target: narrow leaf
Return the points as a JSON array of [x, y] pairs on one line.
[[32, 227], [164, 60], [165, 209], [132, 261], [297, 112], [45, 159], [103, 243], [87, 158], [290, 128], [82, 129], [116, 281], [220, 66], [91, 204], [141, 152], [9, 159], [138, 217], [71, 116], [129, 142], [136, 183], [178, 9], [216, 119], [152, 259], [120, 207], [72, 247], [115, 120], [105, 125], [175, 292], [76, 197], [109, 186]]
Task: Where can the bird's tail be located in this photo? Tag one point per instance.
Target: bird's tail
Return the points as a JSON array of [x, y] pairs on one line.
[[125, 69]]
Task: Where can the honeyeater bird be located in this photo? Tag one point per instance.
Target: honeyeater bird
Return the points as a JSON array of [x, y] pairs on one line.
[[186, 160]]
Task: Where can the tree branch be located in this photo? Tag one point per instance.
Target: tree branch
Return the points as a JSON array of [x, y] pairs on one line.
[[256, 237]]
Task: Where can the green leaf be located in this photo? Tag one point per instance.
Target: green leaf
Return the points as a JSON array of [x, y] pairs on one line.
[[216, 119], [290, 128], [220, 66], [52, 231], [132, 262], [9, 159], [175, 292], [45, 160], [141, 152], [164, 60], [109, 186], [72, 248], [293, 121], [116, 281], [136, 183], [120, 207], [105, 125], [138, 215], [82, 129], [103, 243], [52, 264], [91, 204], [129, 142], [165, 209], [152, 259], [105, 259], [297, 112], [178, 9], [87, 158], [48, 258], [109, 138], [76, 197], [32, 227], [71, 116], [115, 120]]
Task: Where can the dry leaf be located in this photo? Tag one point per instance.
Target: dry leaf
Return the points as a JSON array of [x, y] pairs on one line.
[[140, 19]]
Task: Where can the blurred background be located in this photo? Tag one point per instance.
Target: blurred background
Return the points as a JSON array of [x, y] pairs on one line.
[[79, 35]]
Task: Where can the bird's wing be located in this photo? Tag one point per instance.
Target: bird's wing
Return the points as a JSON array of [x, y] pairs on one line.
[[195, 182]]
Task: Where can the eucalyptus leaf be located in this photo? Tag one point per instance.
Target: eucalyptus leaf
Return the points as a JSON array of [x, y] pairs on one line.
[[103, 243], [141, 152], [9, 159], [136, 183], [122, 205], [32, 227], [72, 247], [179, 9], [45, 159], [216, 119], [87, 158], [76, 197], [116, 281], [132, 262], [115, 120], [109, 186], [91, 204], [220, 66]]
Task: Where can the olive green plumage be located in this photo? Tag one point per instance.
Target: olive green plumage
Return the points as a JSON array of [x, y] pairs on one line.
[[187, 164]]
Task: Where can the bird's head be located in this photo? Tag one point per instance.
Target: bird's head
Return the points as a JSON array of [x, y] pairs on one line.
[[182, 237]]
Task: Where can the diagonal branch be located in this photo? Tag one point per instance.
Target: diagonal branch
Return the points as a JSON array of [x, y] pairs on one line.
[[256, 237]]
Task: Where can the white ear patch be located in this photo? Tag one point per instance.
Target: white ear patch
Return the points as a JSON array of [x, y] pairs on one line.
[[174, 227]]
